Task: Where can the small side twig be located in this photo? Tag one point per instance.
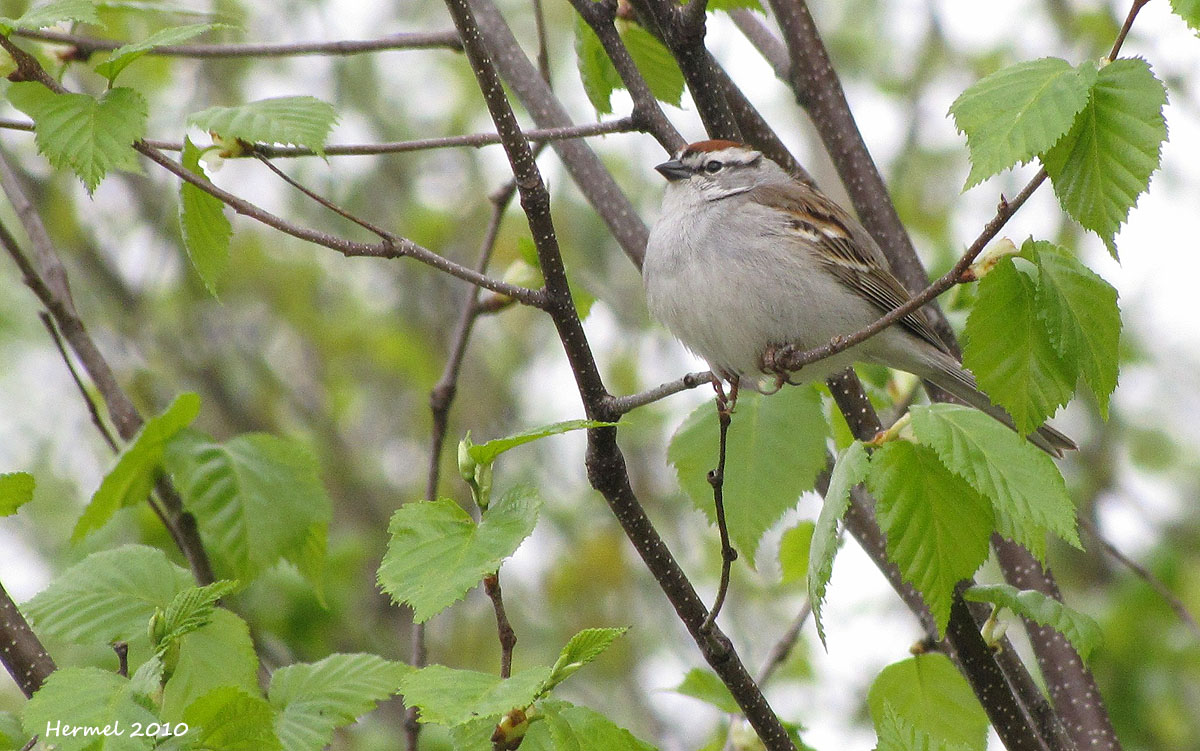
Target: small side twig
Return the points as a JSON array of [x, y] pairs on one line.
[[623, 404], [345, 214], [1145, 575], [86, 46], [504, 629], [784, 645], [98, 421], [716, 478], [122, 650]]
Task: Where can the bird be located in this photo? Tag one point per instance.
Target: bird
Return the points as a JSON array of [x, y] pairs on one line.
[[745, 259]]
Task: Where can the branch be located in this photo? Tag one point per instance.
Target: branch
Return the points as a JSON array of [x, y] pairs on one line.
[[86, 46], [586, 170], [20, 649], [508, 637], [790, 361], [622, 404], [606, 465], [600, 16]]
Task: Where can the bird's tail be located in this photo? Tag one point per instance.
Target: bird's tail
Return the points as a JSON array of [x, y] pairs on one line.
[[960, 383]]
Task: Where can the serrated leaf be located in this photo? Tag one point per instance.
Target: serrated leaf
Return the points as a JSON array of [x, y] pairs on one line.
[[704, 685], [122, 56], [229, 719], [298, 120], [1101, 167], [486, 453], [1019, 112], [596, 71], [108, 596], [656, 64], [447, 696], [85, 134], [437, 553], [129, 481], [255, 497], [566, 727], [898, 734], [190, 610], [937, 526], [1008, 348], [794, 549], [929, 694], [203, 224], [87, 698], [1079, 629], [583, 647], [851, 469], [1081, 315], [1188, 10], [774, 451], [313, 700], [48, 14], [1025, 488], [16, 489], [219, 654]]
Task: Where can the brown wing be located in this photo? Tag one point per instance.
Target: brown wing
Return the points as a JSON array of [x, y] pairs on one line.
[[848, 250]]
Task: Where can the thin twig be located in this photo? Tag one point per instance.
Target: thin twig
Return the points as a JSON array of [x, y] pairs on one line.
[[543, 53], [98, 421], [785, 644], [86, 45], [504, 629], [716, 478], [1134, 8], [344, 213], [1146, 575], [623, 404], [791, 360]]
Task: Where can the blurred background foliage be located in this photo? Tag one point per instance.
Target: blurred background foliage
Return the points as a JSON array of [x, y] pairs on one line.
[[343, 353]]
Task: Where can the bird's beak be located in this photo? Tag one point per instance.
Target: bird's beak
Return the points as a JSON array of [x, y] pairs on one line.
[[673, 170]]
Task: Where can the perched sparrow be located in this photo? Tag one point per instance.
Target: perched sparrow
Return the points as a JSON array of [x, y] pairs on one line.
[[745, 259]]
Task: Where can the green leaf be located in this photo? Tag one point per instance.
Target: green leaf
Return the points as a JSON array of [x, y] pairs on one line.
[[437, 553], [126, 54], [255, 497], [929, 694], [1079, 629], [129, 481], [704, 685], [486, 453], [16, 489], [189, 611], [937, 526], [312, 700], [596, 71], [87, 698], [656, 64], [1188, 10], [447, 696], [1008, 348], [48, 14], [108, 596], [89, 136], [298, 120], [794, 549], [1101, 167], [566, 727], [851, 469], [1020, 111], [898, 734], [219, 654], [775, 449], [1081, 315], [584, 647], [728, 5], [228, 719], [1025, 487], [202, 222]]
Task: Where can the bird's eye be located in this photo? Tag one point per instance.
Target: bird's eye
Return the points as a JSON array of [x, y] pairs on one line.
[[713, 166]]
